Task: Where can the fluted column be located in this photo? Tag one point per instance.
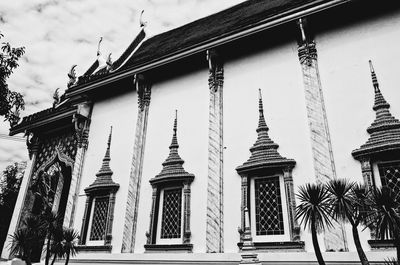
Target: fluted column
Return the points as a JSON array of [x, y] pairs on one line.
[[324, 165], [243, 206], [131, 214], [215, 211], [110, 219]]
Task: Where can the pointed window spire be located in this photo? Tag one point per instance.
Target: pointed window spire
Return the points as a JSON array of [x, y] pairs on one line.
[[172, 166], [385, 130], [264, 151]]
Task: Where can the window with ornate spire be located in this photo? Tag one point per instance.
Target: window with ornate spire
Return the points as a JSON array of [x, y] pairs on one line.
[[99, 210], [267, 191], [170, 213], [379, 156]]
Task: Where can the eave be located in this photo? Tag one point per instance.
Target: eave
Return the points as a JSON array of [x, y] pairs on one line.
[[270, 22], [43, 121]]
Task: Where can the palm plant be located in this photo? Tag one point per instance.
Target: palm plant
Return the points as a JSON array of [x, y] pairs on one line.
[[51, 222], [384, 216], [57, 249], [25, 238], [314, 212], [347, 200], [70, 237]]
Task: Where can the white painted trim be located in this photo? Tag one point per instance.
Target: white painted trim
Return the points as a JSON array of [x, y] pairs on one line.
[[160, 240], [269, 238], [89, 231]]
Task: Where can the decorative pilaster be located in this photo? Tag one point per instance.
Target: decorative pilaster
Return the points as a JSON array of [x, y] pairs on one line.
[[248, 255], [186, 218], [110, 221], [153, 218], [143, 89], [81, 121], [367, 173], [19, 205], [85, 220], [294, 227], [215, 212], [324, 165], [243, 206]]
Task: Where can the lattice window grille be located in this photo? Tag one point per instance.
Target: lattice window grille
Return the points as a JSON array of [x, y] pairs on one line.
[[268, 207], [171, 214], [99, 219], [390, 176]]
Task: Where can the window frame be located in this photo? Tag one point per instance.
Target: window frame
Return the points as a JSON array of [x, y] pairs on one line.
[[269, 238], [89, 228], [160, 240]]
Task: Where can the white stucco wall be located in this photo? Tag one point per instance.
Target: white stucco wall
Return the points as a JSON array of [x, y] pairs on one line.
[[343, 63], [189, 95], [349, 95], [121, 113]]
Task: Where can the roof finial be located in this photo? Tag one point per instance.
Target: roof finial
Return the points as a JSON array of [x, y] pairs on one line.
[[109, 138], [174, 142], [302, 30], [143, 23], [260, 102], [98, 46], [374, 78]]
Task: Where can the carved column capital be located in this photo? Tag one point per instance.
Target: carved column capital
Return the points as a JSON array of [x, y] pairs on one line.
[[307, 50], [216, 70], [81, 122], [32, 143], [143, 88]]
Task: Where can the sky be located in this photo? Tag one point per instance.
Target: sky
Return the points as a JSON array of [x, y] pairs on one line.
[[60, 33]]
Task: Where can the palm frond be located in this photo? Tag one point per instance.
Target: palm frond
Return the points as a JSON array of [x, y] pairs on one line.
[[384, 216], [341, 200], [314, 204], [70, 237]]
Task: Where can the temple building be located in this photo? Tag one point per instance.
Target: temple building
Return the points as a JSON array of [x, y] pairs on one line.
[[259, 99]]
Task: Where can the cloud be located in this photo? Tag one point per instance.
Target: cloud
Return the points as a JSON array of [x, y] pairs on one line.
[[59, 34]]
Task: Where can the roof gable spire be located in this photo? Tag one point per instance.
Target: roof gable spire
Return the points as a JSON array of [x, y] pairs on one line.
[[380, 102]]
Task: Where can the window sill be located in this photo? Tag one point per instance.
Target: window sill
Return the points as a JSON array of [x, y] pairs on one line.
[[378, 244], [101, 248], [180, 248], [277, 246]]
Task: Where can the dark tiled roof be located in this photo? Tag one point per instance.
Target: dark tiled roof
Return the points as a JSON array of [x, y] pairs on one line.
[[218, 25], [40, 117], [264, 152], [384, 131], [172, 166], [225, 23]]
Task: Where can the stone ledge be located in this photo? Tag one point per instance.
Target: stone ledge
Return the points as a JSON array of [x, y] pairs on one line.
[[379, 244], [277, 246], [102, 248], [151, 248]]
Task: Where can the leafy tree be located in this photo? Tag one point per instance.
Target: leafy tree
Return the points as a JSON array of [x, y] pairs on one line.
[[9, 187], [11, 102], [347, 200], [314, 212], [384, 215]]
